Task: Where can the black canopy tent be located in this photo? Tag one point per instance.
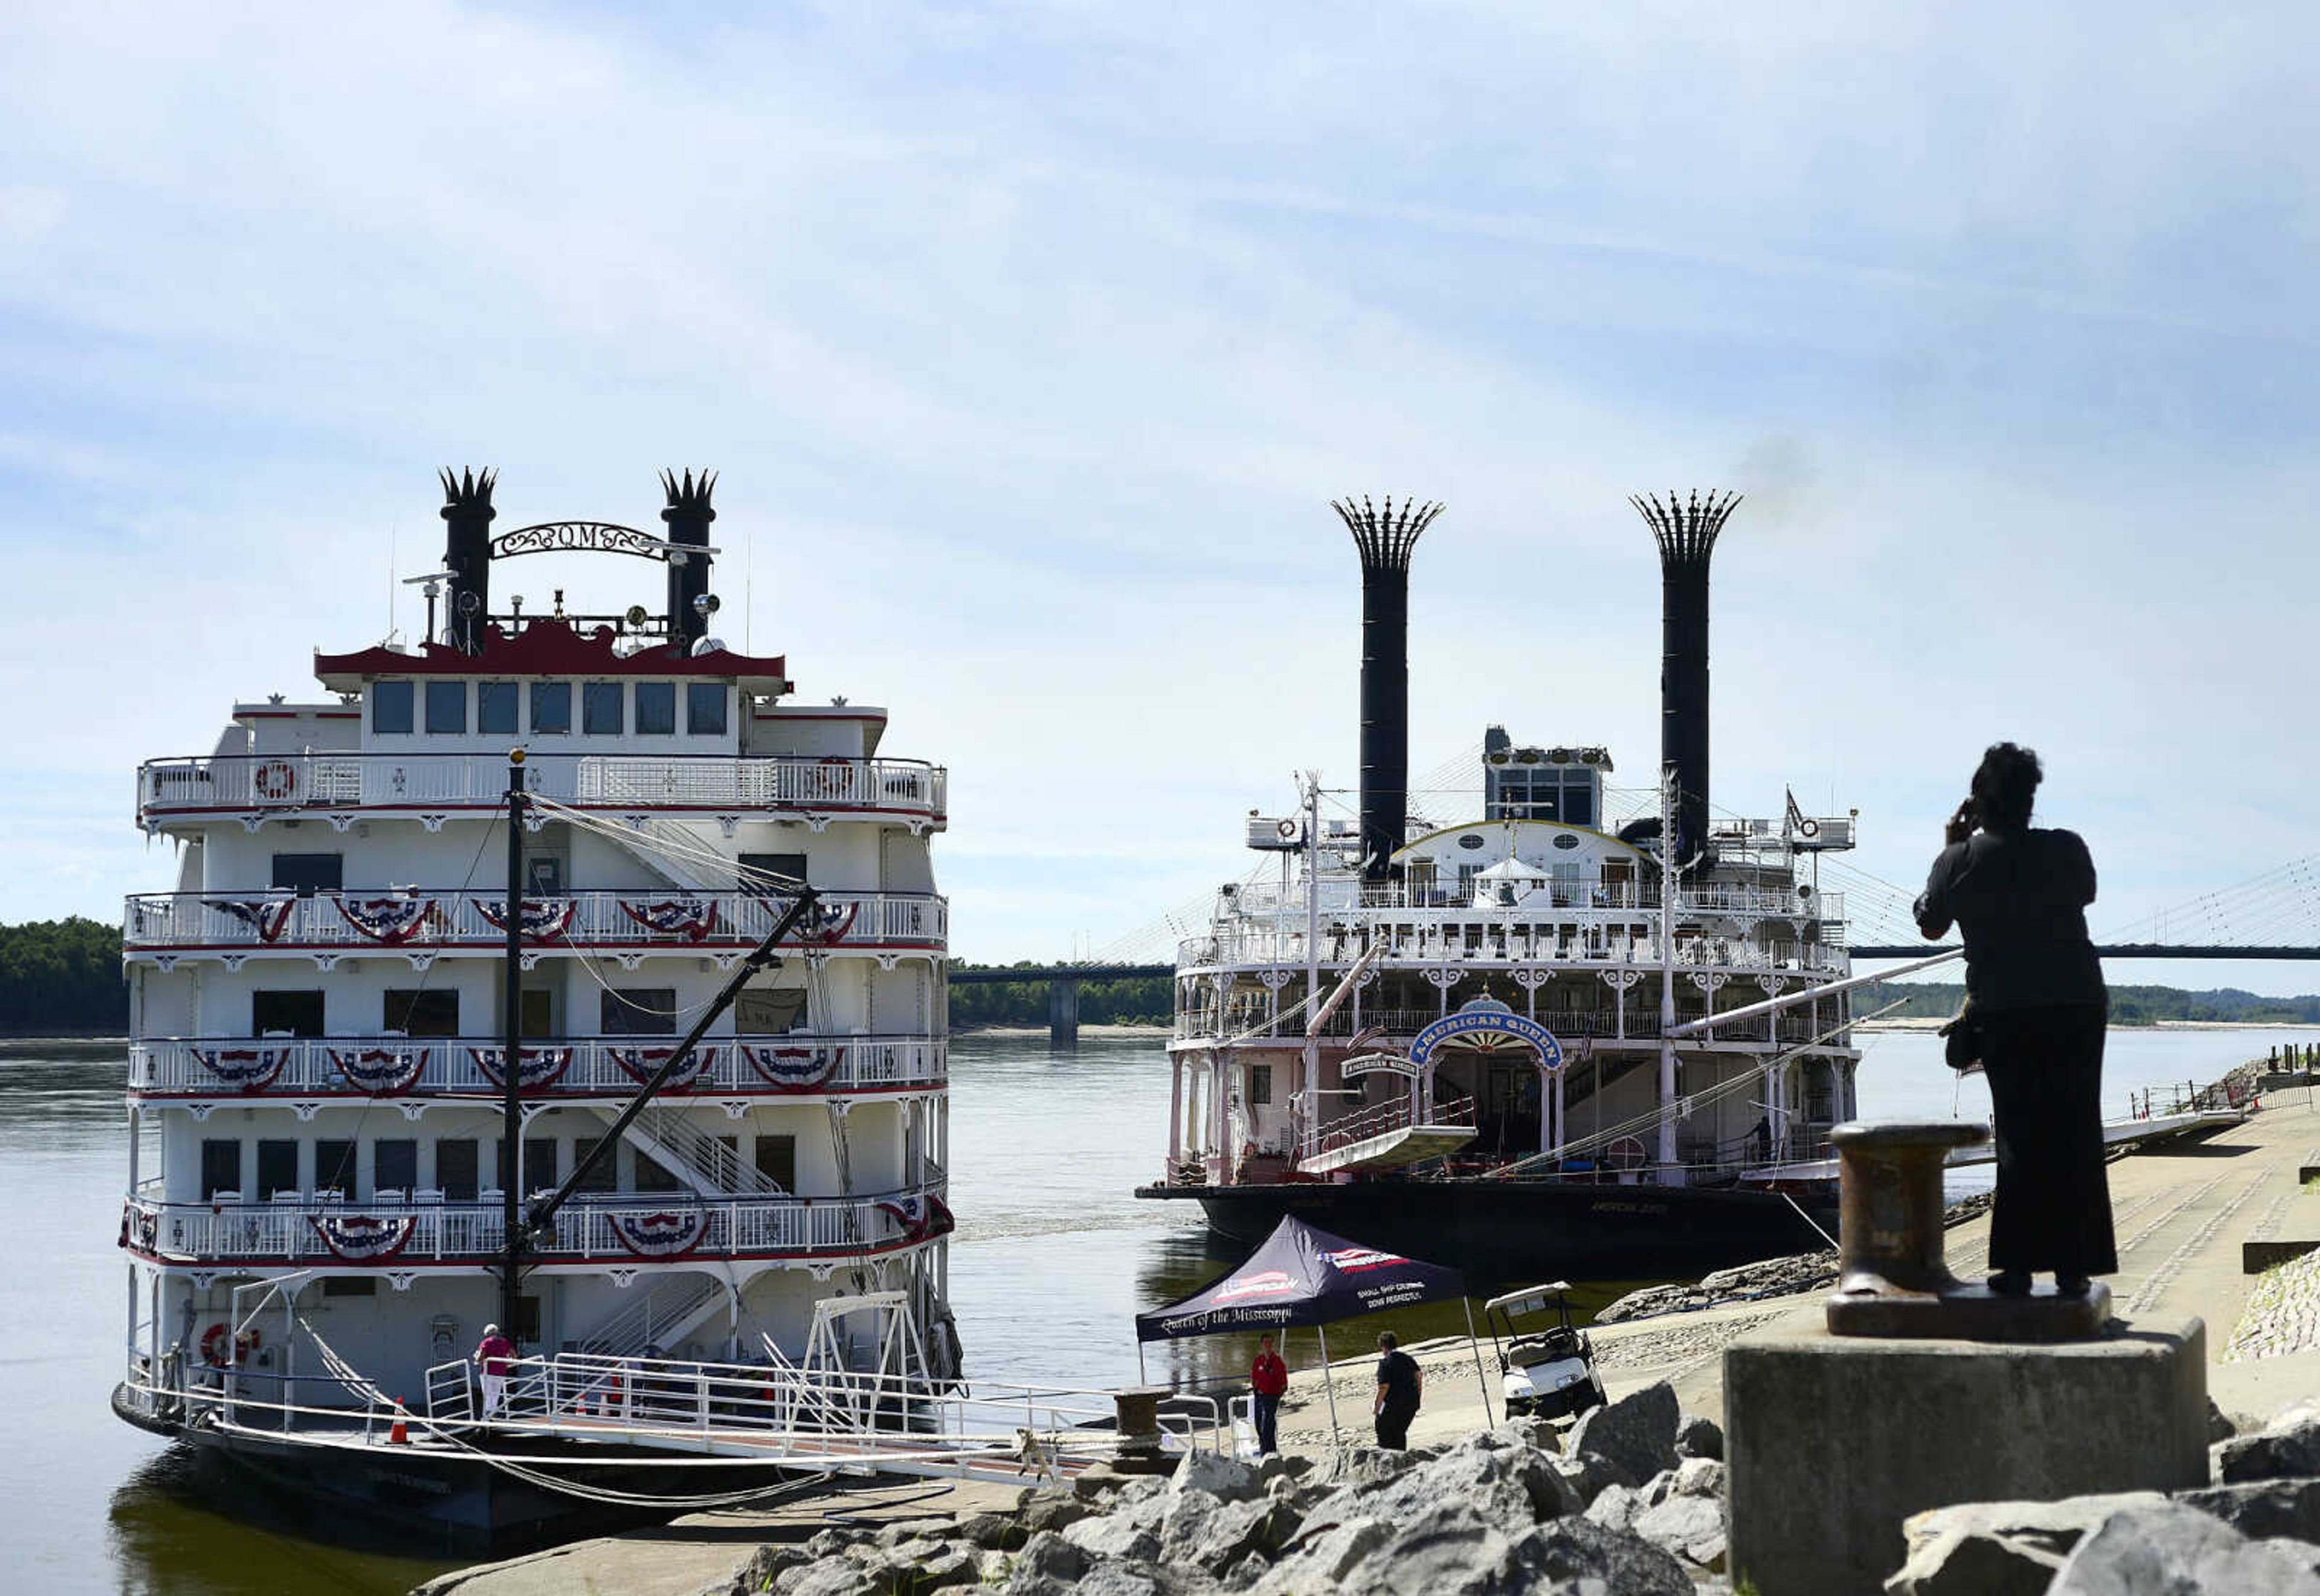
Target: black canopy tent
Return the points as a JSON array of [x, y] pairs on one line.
[[1304, 1276]]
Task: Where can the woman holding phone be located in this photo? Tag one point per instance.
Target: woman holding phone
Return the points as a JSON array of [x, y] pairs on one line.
[[2036, 1000]]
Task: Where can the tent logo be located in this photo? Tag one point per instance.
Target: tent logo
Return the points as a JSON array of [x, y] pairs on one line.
[[1271, 1282], [1357, 1258]]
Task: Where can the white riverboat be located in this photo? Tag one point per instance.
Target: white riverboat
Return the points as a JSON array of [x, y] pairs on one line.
[[1492, 1037], [322, 1159]]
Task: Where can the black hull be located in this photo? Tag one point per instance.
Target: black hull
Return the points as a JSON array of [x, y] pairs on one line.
[[1513, 1231], [424, 1502]]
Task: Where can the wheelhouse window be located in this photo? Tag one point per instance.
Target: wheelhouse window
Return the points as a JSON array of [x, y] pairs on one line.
[[704, 709], [495, 707], [656, 709], [334, 1166], [390, 707], [394, 1165], [220, 1167], [447, 707], [308, 873], [551, 707], [417, 1011], [456, 1165], [285, 1013], [603, 710], [639, 1011], [278, 1167]]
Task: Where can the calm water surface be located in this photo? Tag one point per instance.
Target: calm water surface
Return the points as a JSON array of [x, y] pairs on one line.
[[1052, 1259]]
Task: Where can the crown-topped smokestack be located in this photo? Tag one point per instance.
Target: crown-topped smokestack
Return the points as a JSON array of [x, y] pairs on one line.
[[468, 553], [1385, 539], [687, 518], [1687, 530]]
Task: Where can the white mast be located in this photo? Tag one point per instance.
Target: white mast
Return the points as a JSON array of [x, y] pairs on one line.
[[1666, 1154]]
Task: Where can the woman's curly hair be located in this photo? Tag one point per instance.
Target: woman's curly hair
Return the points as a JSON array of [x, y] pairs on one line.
[[2005, 787]]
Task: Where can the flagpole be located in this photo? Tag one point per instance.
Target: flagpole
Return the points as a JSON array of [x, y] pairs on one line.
[[1488, 1423], [1329, 1388]]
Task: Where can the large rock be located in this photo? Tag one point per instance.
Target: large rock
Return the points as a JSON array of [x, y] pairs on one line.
[[1050, 1508], [1363, 1465], [1129, 1533], [2054, 1528], [1699, 1437], [1050, 1556], [1227, 1479], [1569, 1553], [1216, 1535], [2287, 1448], [935, 1570], [832, 1576], [1771, 1277], [1690, 1526], [2168, 1550], [1975, 1562], [1511, 1487], [1616, 1508], [994, 1532], [1635, 1435], [1319, 1560], [1651, 1302], [1588, 1477], [2262, 1509]]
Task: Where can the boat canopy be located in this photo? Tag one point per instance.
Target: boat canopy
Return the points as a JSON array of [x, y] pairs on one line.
[[1301, 1276]]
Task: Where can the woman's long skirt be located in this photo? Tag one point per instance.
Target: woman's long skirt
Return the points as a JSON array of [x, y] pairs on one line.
[[2053, 1209]]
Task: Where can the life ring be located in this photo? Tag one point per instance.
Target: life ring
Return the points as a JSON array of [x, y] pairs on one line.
[[276, 778], [1286, 831], [1808, 828], [833, 776], [215, 1339], [1627, 1152]]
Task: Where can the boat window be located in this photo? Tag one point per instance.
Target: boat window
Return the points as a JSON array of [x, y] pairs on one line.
[[395, 1165], [278, 1167], [768, 1010], [776, 1159], [456, 1165], [220, 1167], [653, 1176], [603, 710], [390, 707], [606, 1175], [285, 1013], [446, 706], [1579, 801], [542, 1172], [422, 1011], [789, 866], [539, 1012], [551, 706], [495, 707], [704, 709], [656, 709], [1260, 1084], [638, 1012], [350, 1285], [308, 873], [334, 1166]]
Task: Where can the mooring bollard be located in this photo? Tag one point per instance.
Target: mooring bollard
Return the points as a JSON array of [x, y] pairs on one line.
[[1892, 1277], [1137, 1410]]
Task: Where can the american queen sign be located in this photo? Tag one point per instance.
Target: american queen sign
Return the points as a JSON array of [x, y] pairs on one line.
[[1488, 1024]]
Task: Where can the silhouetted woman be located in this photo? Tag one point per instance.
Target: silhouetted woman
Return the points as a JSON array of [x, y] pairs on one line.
[[2037, 996]]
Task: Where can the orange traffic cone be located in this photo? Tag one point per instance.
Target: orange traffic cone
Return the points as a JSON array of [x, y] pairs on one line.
[[399, 1435]]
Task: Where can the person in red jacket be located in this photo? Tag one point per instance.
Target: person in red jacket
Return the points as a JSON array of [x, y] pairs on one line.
[[1268, 1377]]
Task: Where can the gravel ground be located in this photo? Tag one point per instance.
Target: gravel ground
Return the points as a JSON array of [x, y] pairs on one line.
[[2283, 1313]]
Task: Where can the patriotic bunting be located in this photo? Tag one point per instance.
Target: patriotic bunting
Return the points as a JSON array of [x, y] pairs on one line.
[[544, 918], [537, 1067], [660, 1235], [363, 1238], [692, 919], [268, 917], [829, 922], [919, 1218], [381, 1071], [247, 1069], [794, 1069], [642, 1064], [391, 920]]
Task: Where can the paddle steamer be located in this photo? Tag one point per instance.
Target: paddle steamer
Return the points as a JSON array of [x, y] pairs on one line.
[[1487, 1038], [394, 1027]]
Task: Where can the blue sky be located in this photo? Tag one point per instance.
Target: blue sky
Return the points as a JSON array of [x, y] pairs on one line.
[[1032, 341]]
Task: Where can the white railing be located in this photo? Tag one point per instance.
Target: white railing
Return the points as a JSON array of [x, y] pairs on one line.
[[418, 919], [1488, 942], [329, 1066], [240, 783], [628, 1228], [1396, 1113], [1342, 895]]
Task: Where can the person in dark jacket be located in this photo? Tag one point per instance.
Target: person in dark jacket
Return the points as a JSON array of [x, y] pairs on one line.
[[1400, 1384], [2035, 997]]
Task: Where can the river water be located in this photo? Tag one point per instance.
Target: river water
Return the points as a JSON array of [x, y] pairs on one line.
[[1051, 1258]]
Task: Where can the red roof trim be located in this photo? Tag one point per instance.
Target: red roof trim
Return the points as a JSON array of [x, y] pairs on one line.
[[548, 649]]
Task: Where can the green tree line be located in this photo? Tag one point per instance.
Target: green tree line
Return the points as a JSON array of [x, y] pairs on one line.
[[62, 976], [1144, 1000], [2129, 1005]]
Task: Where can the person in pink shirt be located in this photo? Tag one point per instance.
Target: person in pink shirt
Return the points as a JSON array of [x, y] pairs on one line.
[[494, 1357]]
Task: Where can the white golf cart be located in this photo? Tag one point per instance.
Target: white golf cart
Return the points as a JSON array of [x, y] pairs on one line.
[[1549, 1368]]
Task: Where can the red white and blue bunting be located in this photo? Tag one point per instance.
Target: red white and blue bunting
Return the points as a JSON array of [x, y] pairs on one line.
[[268, 917], [642, 1064], [919, 1218], [246, 1069], [392, 920], [544, 918], [794, 1069], [692, 919], [363, 1238], [659, 1236], [536, 1067], [381, 1071]]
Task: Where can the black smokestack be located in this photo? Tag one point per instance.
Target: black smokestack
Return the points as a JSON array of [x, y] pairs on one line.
[[1686, 531], [467, 554], [1385, 539], [687, 517]]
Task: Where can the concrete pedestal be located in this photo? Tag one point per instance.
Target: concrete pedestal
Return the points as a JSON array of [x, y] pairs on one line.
[[1831, 1441]]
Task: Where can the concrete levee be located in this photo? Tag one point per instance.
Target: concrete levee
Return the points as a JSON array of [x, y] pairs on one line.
[[1833, 1441]]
